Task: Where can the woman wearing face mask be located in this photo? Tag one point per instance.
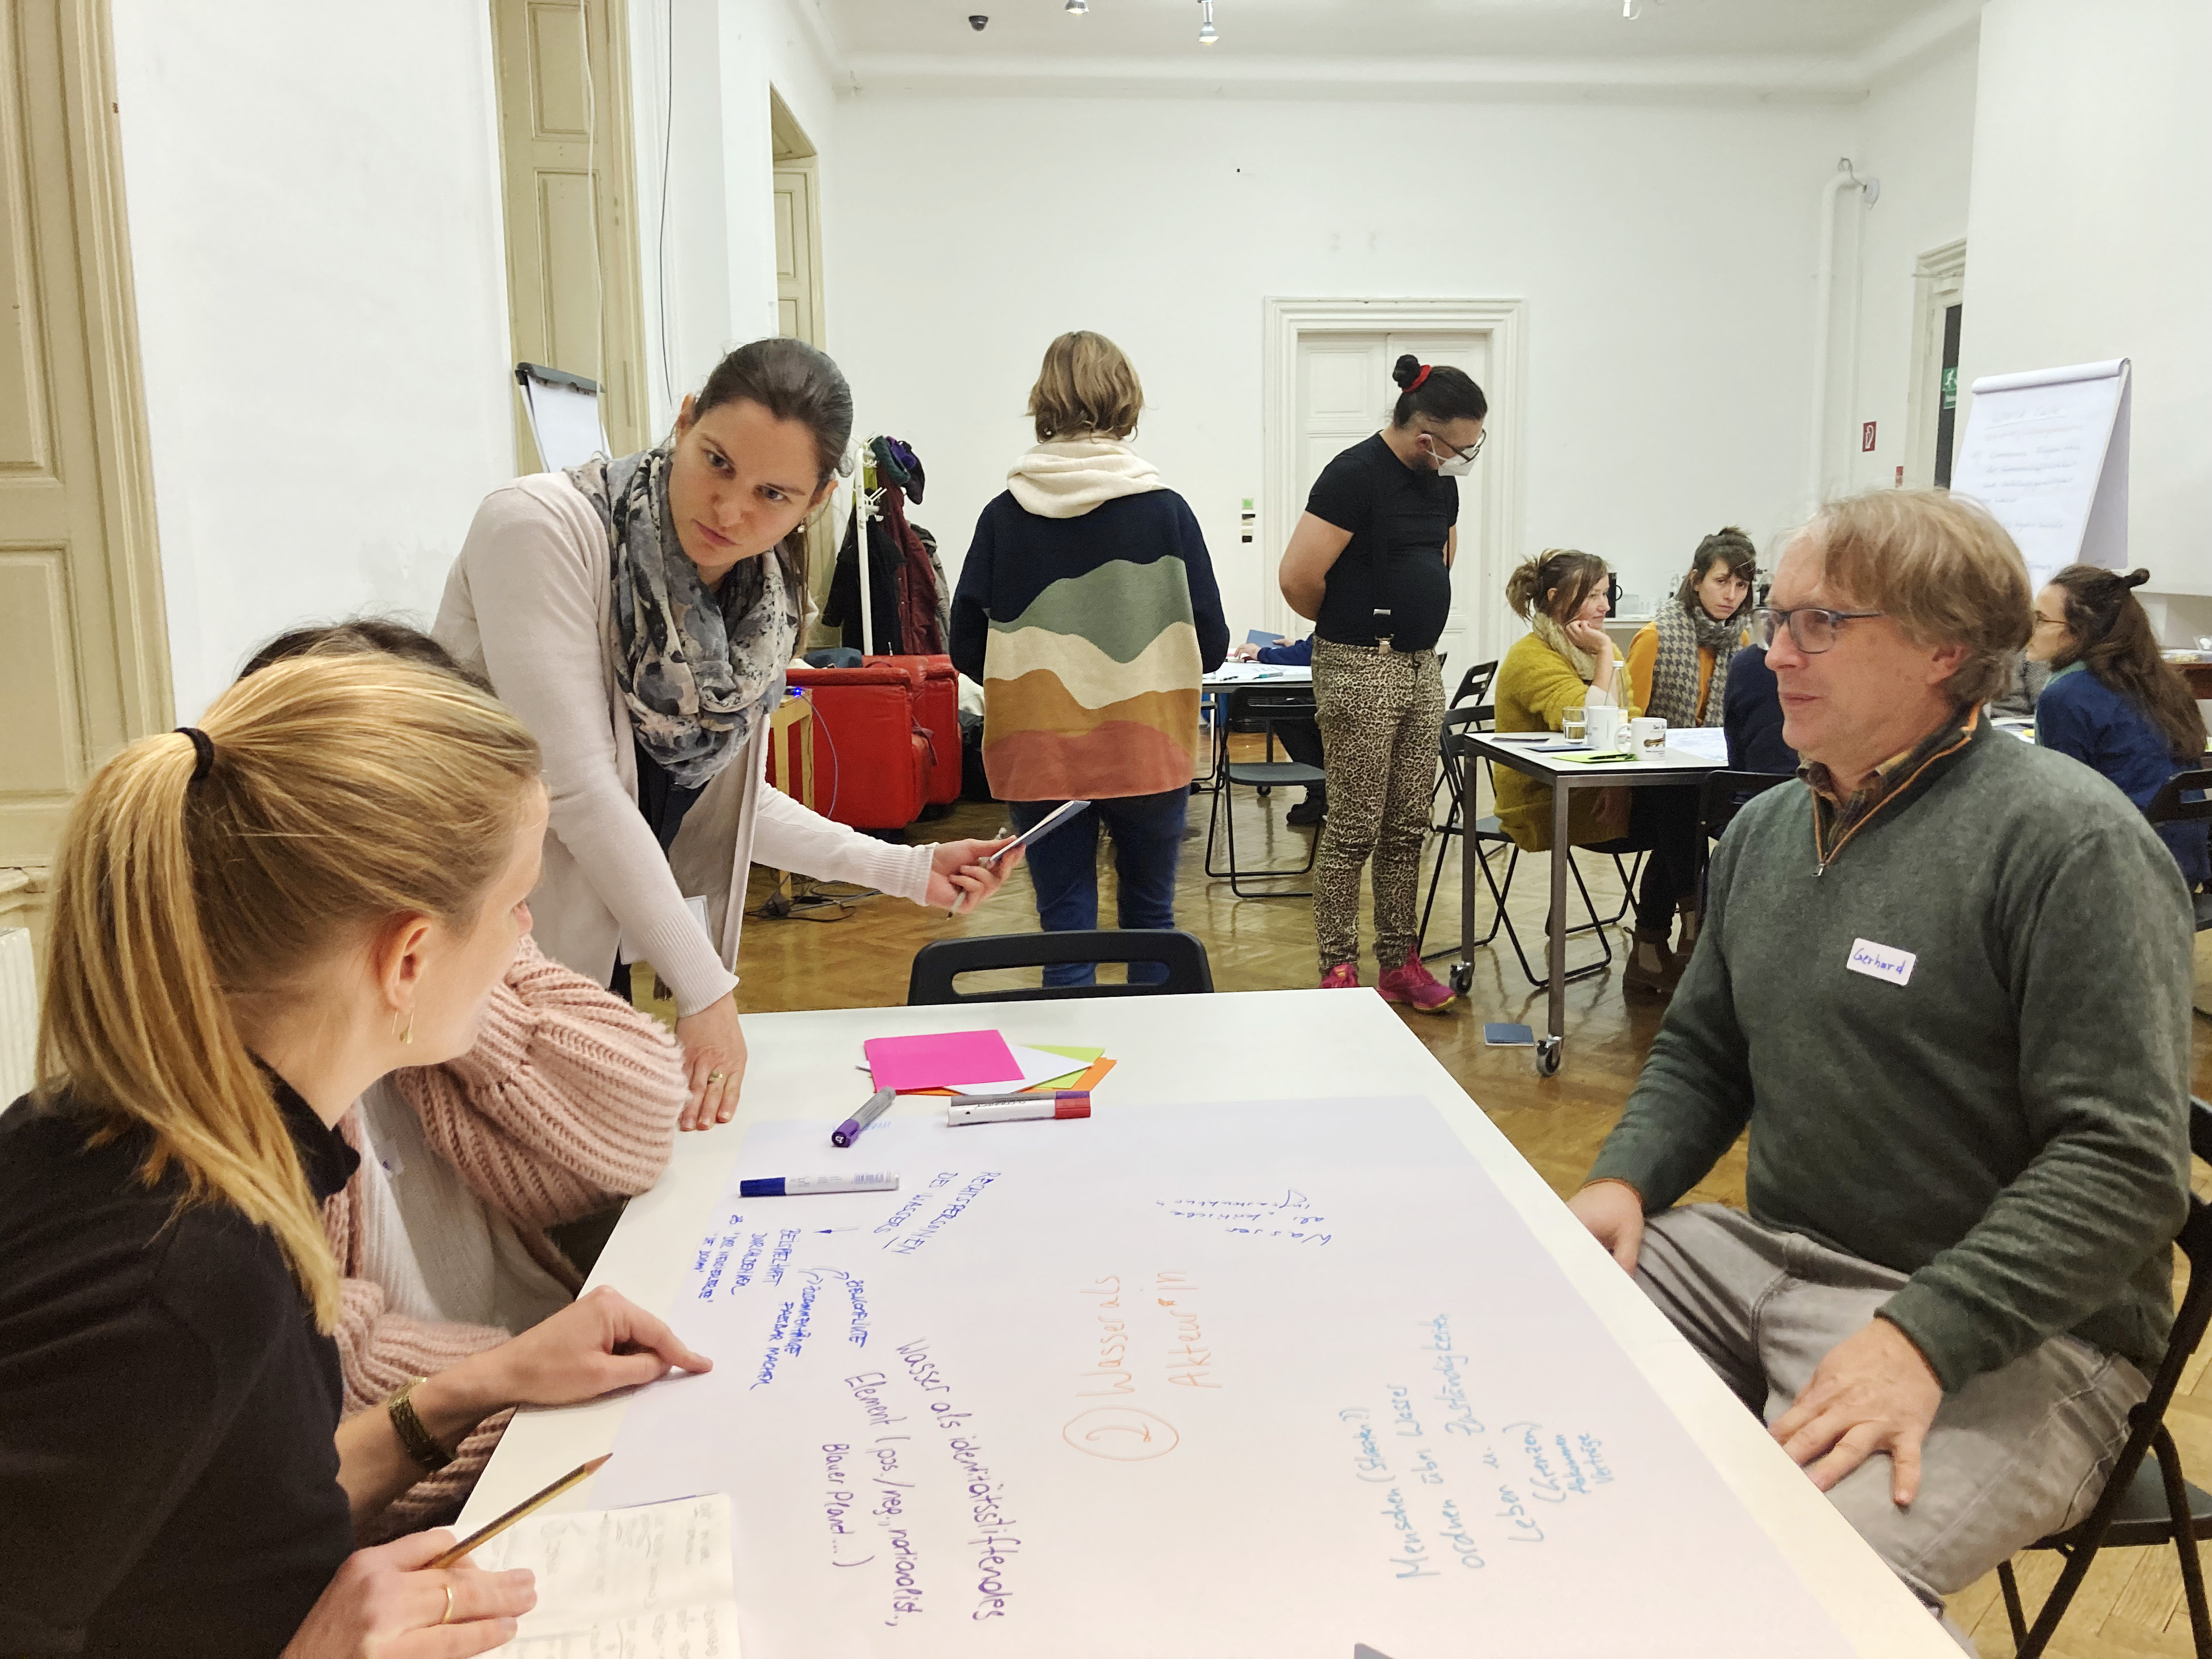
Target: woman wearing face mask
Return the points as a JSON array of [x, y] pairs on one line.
[[1566, 661], [638, 614], [1370, 562], [1678, 663]]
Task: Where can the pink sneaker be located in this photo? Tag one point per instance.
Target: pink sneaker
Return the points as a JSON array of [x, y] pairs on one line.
[[1344, 976], [1416, 987]]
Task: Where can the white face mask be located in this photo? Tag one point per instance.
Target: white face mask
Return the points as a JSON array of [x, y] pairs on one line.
[[1453, 464]]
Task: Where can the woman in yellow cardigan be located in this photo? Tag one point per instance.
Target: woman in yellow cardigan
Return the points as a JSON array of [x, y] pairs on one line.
[[1566, 661], [1678, 662]]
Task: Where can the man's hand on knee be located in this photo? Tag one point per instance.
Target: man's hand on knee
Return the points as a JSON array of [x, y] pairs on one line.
[[1872, 1392], [1614, 1212]]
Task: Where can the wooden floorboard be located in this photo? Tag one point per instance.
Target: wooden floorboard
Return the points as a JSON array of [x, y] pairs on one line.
[[2129, 1606]]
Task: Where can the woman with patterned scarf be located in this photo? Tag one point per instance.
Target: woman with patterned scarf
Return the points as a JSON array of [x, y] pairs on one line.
[[638, 614], [1679, 661]]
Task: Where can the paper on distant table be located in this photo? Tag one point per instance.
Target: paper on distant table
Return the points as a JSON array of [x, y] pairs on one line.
[[1705, 742], [649, 1582]]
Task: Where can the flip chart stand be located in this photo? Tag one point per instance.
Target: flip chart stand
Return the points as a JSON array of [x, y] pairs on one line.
[[2046, 451]]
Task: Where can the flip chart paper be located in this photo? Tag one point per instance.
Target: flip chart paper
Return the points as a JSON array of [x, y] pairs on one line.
[[1261, 1379], [2046, 451], [651, 1582], [947, 1059]]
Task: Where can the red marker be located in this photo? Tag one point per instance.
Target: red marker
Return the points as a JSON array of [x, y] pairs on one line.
[[1017, 1108]]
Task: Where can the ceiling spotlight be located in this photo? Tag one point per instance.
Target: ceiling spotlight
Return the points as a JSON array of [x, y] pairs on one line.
[[1206, 37], [1077, 7]]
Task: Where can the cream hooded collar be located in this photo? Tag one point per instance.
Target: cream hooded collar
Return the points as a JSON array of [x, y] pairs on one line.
[[1068, 476]]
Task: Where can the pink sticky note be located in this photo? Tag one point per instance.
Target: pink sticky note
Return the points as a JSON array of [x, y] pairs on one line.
[[946, 1060]]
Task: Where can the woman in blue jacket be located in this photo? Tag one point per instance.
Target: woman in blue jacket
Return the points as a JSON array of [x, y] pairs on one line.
[[2113, 703]]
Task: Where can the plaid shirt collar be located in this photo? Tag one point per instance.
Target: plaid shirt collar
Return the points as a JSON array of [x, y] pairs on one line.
[[1836, 814]]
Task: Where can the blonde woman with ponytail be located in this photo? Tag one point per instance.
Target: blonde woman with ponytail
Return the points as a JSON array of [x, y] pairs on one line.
[[254, 921]]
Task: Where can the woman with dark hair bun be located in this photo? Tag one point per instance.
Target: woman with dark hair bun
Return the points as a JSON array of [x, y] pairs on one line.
[[2113, 701], [638, 614], [1369, 563]]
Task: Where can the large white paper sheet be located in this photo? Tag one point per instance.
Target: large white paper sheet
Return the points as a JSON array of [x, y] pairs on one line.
[[1259, 1379], [2046, 451], [642, 1583]]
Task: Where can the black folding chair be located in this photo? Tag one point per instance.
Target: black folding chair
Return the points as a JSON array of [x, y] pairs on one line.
[[1260, 708], [1475, 686], [937, 964], [2142, 1507], [2167, 806], [1720, 798]]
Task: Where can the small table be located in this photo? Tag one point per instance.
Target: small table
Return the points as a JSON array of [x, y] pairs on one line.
[[1675, 767]]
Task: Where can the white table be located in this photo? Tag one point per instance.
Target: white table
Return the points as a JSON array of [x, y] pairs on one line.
[[1271, 1044], [1675, 767]]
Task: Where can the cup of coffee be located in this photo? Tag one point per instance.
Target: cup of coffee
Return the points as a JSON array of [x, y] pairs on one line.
[[1647, 738], [1606, 723], [1570, 725]]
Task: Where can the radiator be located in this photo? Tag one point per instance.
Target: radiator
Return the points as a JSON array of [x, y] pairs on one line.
[[19, 1013]]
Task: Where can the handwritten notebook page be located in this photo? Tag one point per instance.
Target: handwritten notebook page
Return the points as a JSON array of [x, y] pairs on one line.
[[649, 1582], [1253, 1380]]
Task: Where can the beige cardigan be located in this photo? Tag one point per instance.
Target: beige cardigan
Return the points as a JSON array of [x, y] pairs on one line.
[[530, 604]]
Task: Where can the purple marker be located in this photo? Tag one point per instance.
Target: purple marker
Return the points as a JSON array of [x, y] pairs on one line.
[[850, 1131], [791, 1185]]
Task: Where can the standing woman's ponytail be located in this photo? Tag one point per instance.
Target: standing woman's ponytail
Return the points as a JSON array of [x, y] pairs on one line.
[[199, 874]]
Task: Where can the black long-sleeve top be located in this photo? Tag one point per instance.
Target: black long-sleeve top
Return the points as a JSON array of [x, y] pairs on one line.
[[168, 1473]]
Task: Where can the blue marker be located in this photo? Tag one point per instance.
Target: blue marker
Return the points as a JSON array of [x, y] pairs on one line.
[[791, 1185]]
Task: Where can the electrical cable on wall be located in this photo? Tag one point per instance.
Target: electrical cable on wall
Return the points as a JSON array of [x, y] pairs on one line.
[[667, 133]]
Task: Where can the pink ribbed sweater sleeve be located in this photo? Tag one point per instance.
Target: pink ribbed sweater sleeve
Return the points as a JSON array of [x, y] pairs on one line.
[[566, 1102]]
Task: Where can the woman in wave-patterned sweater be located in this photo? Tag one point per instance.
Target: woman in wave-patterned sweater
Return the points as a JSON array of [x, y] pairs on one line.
[[1088, 610]]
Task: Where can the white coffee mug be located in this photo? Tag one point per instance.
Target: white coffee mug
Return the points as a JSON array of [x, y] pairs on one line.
[[1605, 723], [1647, 738]]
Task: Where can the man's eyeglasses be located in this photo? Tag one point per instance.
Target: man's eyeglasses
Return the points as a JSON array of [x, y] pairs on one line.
[[1812, 629]]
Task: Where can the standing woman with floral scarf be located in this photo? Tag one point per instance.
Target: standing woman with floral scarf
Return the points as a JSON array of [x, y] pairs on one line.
[[638, 614], [1678, 661]]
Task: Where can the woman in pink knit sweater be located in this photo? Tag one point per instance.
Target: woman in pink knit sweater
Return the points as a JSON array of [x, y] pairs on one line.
[[566, 1104]]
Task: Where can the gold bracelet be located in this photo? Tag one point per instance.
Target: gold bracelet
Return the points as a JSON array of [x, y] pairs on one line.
[[419, 1443]]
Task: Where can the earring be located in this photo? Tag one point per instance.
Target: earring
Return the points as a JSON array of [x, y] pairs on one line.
[[407, 1035]]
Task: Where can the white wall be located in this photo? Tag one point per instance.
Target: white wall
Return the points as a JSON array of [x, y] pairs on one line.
[[1918, 137], [1666, 254], [315, 229], [2090, 237], [719, 269]]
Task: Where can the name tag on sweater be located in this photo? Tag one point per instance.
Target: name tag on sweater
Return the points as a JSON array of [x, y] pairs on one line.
[[1881, 961]]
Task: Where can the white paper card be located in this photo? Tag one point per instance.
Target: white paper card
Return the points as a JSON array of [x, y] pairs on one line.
[[649, 1582], [1881, 961], [1250, 1381]]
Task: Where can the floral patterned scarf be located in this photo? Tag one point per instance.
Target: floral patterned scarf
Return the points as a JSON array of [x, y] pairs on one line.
[[698, 667]]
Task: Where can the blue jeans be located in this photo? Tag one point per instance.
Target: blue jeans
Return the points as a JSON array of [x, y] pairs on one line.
[[1147, 832]]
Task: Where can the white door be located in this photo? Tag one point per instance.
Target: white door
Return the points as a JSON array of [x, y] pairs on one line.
[[1344, 393]]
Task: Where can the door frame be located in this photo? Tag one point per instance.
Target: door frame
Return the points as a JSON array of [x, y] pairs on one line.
[[1506, 323], [1939, 282], [137, 619]]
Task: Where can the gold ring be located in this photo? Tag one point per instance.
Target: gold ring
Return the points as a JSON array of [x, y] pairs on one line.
[[714, 1077], [448, 1618]]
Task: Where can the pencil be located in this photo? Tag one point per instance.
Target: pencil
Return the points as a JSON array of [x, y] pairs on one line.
[[492, 1529]]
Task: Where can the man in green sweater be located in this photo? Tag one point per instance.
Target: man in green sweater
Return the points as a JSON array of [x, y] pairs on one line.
[[1945, 980]]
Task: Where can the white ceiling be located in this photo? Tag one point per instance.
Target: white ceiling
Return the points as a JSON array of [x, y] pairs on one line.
[[1319, 32]]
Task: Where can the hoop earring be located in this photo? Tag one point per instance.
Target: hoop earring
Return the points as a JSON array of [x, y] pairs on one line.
[[408, 1035]]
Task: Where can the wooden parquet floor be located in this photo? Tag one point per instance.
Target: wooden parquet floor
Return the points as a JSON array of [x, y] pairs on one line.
[[2130, 1605]]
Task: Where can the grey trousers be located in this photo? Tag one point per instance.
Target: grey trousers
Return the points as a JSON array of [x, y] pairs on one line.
[[2013, 1455]]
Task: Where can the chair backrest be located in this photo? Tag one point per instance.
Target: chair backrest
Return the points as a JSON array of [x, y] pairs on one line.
[[1724, 794], [1456, 723], [937, 963], [2167, 806], [1474, 684]]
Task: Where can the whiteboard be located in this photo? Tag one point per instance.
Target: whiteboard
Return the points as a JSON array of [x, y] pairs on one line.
[[2046, 451], [1261, 1379]]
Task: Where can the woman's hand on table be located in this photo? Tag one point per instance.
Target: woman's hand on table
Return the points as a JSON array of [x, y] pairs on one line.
[[959, 880], [1243, 653], [391, 1603], [714, 1063], [600, 1342]]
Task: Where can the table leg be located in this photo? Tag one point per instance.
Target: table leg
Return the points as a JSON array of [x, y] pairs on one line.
[[1556, 1014], [1470, 853]]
